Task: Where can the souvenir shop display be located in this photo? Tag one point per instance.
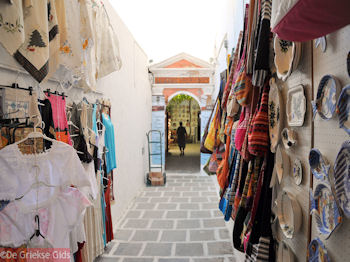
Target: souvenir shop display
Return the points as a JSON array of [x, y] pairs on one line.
[[289, 213], [297, 171], [284, 253], [289, 138], [296, 106], [343, 109], [318, 164], [275, 114], [317, 251], [342, 178], [326, 99], [322, 43], [325, 209]]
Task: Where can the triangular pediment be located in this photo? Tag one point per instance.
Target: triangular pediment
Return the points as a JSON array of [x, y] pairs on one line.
[[181, 61]]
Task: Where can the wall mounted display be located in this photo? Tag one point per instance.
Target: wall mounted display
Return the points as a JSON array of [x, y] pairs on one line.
[[325, 209], [275, 113], [317, 252], [343, 109], [282, 163], [319, 165], [289, 213], [326, 98], [297, 171], [285, 253], [289, 138], [296, 106], [342, 178], [322, 43]]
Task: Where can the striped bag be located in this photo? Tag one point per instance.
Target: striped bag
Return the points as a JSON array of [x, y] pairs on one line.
[[243, 88], [258, 132]]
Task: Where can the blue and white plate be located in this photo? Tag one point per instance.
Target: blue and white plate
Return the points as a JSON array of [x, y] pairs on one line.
[[343, 109], [342, 177], [317, 251], [319, 166], [326, 99], [325, 209]]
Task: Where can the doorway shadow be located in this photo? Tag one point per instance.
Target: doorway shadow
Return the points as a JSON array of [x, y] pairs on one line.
[[189, 163]]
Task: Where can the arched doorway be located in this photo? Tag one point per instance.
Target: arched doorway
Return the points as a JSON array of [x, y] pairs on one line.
[[183, 107]]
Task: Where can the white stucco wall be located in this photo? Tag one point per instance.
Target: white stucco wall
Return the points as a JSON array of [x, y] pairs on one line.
[[130, 94]]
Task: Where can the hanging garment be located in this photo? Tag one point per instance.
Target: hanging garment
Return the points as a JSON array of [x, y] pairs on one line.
[[110, 144], [47, 118], [109, 223], [12, 26], [59, 166], [57, 216]]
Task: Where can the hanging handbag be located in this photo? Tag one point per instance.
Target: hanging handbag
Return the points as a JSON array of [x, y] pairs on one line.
[[203, 149], [242, 128], [258, 132], [216, 158]]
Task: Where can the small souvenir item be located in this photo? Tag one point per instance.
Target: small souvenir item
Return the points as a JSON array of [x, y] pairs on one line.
[[342, 178], [282, 163], [343, 109], [289, 138], [325, 209], [275, 114], [289, 213], [326, 98], [317, 252], [284, 253], [319, 166], [296, 106], [297, 171], [321, 42], [284, 56]]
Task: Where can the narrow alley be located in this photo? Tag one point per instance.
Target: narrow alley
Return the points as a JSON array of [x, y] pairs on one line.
[[176, 223]]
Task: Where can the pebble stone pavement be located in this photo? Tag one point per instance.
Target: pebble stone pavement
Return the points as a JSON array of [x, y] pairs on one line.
[[176, 223]]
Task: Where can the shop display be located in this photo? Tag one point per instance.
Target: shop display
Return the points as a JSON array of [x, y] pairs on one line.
[[297, 171], [296, 106], [326, 99], [342, 177], [289, 214], [284, 253], [319, 165], [317, 251], [325, 209], [343, 109], [322, 43], [275, 114], [282, 163], [289, 138]]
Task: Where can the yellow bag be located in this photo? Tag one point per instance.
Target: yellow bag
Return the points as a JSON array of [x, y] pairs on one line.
[[212, 134]]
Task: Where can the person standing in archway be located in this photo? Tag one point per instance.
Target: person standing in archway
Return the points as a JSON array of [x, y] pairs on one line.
[[181, 138]]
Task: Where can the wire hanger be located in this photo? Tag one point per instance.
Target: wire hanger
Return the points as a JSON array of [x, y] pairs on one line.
[[37, 232]]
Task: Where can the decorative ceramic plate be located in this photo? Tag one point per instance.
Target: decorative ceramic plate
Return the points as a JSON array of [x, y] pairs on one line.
[[297, 171], [326, 99], [282, 163], [319, 166], [343, 109], [317, 252], [321, 42], [325, 209], [297, 55], [289, 213], [284, 253], [289, 138], [275, 113], [342, 177], [296, 106], [348, 63], [284, 56]]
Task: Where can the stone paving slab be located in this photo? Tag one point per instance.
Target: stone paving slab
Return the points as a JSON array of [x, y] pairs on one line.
[[179, 222]]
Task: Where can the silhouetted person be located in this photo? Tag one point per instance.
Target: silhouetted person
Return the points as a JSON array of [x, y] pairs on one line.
[[181, 138]]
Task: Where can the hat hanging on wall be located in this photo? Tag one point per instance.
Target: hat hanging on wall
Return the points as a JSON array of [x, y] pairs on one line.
[[285, 253], [343, 109], [317, 252], [296, 106], [319, 166], [325, 209], [342, 177], [290, 21], [326, 99]]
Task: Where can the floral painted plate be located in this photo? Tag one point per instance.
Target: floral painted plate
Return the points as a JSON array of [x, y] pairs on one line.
[[317, 252], [289, 213], [326, 98], [275, 112], [296, 106], [342, 177], [319, 166], [284, 253], [325, 209], [343, 109], [297, 171], [284, 57]]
